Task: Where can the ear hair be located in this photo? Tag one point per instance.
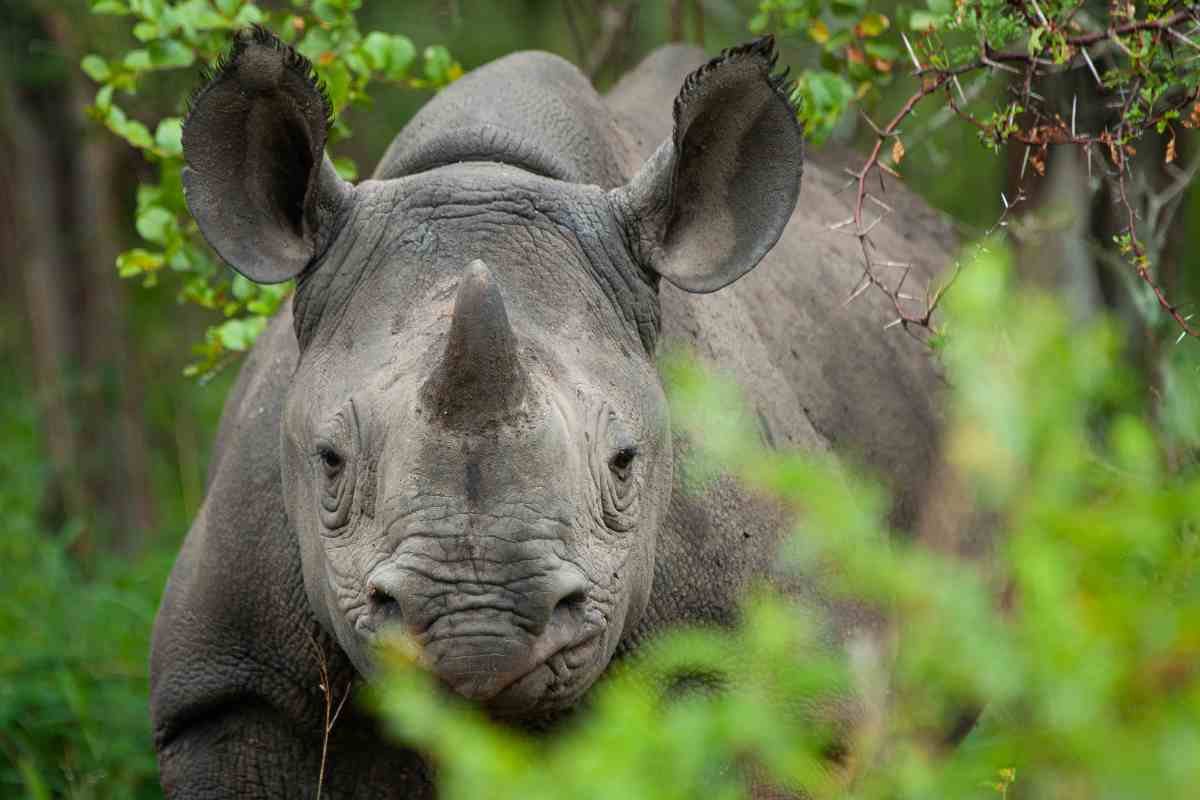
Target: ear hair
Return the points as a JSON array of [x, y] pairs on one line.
[[257, 179], [211, 74]]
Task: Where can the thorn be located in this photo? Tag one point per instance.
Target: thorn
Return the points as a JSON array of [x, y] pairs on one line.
[[871, 227], [839, 225], [961, 93], [893, 323], [880, 203], [871, 122], [1091, 66], [885, 168], [862, 287], [1074, 102], [1024, 163], [911, 54]]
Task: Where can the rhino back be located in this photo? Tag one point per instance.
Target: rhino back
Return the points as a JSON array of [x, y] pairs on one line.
[[817, 373], [531, 110]]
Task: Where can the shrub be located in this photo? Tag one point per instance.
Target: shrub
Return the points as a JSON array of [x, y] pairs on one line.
[[1089, 674], [73, 678]]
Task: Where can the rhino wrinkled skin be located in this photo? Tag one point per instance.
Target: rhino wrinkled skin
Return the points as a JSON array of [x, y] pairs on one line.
[[458, 427]]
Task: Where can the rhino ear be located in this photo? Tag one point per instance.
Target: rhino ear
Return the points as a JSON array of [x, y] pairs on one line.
[[714, 199], [257, 179]]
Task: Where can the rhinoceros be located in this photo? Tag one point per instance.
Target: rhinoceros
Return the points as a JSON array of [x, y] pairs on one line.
[[458, 426]]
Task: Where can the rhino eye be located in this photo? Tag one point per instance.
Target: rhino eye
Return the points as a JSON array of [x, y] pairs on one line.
[[621, 463], [331, 461], [337, 490]]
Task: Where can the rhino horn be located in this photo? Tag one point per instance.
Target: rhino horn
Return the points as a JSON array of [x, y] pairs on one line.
[[479, 375]]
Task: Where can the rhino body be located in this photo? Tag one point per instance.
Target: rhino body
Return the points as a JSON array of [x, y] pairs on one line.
[[474, 313]]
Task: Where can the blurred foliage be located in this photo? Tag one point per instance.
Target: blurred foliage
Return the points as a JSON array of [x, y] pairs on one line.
[[181, 35], [1081, 637], [1091, 676], [73, 681]]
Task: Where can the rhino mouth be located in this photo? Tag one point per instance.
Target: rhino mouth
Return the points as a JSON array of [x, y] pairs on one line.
[[500, 666], [553, 684]]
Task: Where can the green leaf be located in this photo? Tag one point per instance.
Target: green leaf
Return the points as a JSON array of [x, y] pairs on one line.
[[242, 288], [346, 168], [1035, 40], [239, 334], [327, 12], [146, 31], [137, 261], [377, 48], [154, 224], [170, 54], [131, 130], [337, 84], [438, 64], [169, 136], [137, 60], [96, 68], [228, 7], [233, 335], [104, 98], [248, 15], [110, 7], [315, 43], [922, 21], [940, 7], [872, 25], [358, 63], [401, 54]]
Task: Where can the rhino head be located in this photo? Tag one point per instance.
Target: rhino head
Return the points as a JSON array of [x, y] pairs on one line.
[[475, 443]]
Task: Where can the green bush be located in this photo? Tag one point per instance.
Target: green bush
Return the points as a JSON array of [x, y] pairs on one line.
[[1089, 672], [73, 677]]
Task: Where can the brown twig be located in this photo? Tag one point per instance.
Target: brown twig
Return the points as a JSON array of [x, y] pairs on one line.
[[1042, 131], [331, 713]]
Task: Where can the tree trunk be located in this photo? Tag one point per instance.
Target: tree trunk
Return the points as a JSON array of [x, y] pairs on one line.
[[65, 175]]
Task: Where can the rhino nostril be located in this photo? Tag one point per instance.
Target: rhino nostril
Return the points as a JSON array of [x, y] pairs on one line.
[[381, 603], [571, 605]]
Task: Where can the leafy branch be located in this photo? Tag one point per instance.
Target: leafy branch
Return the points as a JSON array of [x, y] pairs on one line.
[[1152, 64], [180, 35]]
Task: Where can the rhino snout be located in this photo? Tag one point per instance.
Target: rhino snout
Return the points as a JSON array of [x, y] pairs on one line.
[[509, 647]]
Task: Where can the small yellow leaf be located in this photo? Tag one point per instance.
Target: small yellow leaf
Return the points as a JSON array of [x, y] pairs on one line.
[[897, 151], [818, 31], [1171, 149], [871, 25]]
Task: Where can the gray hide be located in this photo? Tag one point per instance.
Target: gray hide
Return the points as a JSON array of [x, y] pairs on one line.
[[458, 426]]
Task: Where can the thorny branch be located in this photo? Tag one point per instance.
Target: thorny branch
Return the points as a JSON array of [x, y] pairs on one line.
[[1044, 129]]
